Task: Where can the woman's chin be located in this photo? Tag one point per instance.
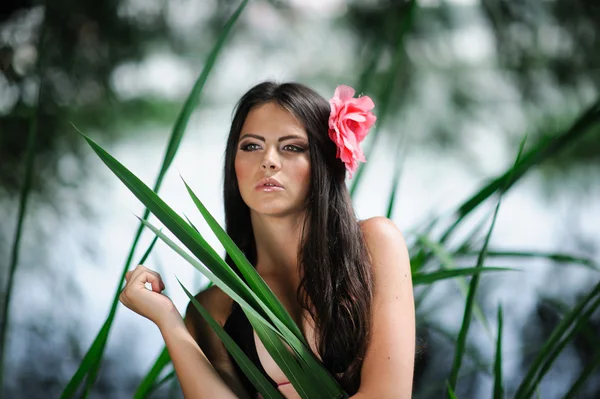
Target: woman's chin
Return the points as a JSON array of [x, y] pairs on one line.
[[275, 210]]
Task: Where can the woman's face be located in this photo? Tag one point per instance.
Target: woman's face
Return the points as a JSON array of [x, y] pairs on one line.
[[272, 163]]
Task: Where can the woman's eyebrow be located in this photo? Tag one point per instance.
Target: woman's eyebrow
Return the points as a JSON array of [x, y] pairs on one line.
[[261, 138]]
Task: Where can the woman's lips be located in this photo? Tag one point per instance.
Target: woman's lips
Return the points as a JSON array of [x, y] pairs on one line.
[[268, 189], [269, 184]]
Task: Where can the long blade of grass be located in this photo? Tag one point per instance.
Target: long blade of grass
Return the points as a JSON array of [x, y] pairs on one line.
[[298, 371], [396, 177], [169, 377], [103, 336], [462, 336], [447, 262], [174, 141], [471, 352], [229, 281], [432, 277], [388, 90], [541, 152], [259, 287], [451, 393], [498, 386], [255, 376], [552, 341], [95, 349], [148, 383], [313, 367], [580, 324], [23, 202], [286, 362], [554, 257], [571, 323], [585, 374], [14, 253]]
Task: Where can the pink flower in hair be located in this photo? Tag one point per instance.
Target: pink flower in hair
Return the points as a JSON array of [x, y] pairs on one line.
[[349, 122]]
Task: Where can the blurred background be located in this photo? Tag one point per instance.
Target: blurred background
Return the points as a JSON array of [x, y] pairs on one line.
[[457, 86]]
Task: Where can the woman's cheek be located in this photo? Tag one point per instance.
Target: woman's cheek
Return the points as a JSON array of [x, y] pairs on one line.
[[303, 174], [242, 171]]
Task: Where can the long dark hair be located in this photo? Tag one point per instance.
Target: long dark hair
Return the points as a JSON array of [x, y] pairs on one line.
[[336, 285]]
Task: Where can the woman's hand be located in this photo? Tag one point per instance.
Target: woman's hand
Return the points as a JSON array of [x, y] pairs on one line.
[[151, 304]]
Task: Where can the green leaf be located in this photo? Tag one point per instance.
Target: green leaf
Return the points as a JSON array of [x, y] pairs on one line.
[[480, 365], [541, 152], [314, 368], [287, 363], [396, 177], [498, 388], [191, 103], [256, 283], [554, 257], [266, 295], [148, 383], [447, 262], [383, 107], [96, 348], [451, 393], [564, 332], [432, 277], [462, 335], [255, 376], [23, 202], [585, 374], [217, 270]]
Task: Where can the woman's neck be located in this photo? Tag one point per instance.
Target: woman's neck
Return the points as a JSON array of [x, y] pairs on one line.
[[277, 240]]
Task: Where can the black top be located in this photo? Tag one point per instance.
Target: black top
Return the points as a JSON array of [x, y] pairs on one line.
[[240, 330]]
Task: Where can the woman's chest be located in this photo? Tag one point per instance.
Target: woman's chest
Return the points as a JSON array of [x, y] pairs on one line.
[[288, 298], [271, 367]]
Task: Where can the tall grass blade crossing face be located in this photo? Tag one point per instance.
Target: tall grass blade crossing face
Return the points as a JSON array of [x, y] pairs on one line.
[[174, 141], [462, 335]]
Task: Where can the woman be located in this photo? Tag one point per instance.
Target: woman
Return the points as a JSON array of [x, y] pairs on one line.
[[347, 284]]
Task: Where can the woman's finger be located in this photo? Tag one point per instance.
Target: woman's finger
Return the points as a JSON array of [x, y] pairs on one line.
[[135, 273], [147, 276]]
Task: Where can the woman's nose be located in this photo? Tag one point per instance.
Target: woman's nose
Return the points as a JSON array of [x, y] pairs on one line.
[[270, 162]]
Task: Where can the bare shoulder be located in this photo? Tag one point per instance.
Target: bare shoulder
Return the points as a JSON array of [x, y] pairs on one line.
[[385, 244], [381, 231]]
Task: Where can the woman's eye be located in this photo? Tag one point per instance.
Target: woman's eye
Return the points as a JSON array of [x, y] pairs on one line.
[[249, 147], [293, 148]]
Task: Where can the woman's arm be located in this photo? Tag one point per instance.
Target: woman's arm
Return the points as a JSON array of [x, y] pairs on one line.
[[197, 377], [387, 371], [218, 304]]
